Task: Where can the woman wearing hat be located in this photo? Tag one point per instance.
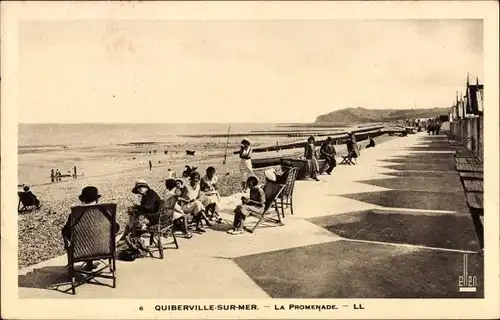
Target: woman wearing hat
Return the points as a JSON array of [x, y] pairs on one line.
[[246, 170], [311, 157], [148, 207]]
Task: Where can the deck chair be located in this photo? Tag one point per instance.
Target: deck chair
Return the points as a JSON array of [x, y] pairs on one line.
[[162, 225], [92, 238], [27, 202], [347, 159], [285, 200], [271, 201]]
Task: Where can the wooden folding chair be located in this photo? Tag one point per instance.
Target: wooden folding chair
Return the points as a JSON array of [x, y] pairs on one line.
[[27, 202], [286, 197], [161, 226], [347, 159], [92, 239], [270, 203]]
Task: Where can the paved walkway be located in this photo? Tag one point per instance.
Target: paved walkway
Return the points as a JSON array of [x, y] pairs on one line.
[[394, 225]]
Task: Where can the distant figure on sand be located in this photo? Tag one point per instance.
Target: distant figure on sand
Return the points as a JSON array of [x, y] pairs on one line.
[[58, 175], [246, 170], [52, 176], [311, 157], [28, 193], [327, 152], [170, 174], [74, 172], [371, 144], [150, 165]]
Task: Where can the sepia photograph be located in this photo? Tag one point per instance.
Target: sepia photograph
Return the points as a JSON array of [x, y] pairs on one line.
[[241, 157]]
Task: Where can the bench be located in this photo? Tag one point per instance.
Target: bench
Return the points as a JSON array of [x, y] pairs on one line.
[[471, 175], [467, 167], [473, 187], [302, 167]]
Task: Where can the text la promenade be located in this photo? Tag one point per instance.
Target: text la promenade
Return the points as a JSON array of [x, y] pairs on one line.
[[251, 307]]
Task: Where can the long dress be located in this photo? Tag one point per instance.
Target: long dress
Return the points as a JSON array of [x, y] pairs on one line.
[[310, 155], [246, 169], [351, 147], [211, 195]]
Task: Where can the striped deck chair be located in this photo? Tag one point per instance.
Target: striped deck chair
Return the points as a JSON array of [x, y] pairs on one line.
[[92, 239], [271, 200]]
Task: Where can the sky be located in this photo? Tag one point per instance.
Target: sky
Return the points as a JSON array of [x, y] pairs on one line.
[[188, 71]]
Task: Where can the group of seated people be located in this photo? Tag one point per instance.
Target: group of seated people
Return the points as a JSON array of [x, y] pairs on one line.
[[196, 205], [198, 199]]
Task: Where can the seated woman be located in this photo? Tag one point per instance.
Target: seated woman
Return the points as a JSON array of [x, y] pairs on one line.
[[209, 194], [190, 203], [178, 215], [254, 204], [148, 207]]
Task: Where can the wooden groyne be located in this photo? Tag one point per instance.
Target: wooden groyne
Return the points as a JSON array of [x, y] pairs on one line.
[[338, 138]]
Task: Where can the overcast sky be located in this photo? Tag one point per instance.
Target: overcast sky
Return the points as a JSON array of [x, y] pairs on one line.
[[239, 71]]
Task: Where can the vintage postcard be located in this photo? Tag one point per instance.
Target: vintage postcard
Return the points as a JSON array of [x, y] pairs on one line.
[[266, 160]]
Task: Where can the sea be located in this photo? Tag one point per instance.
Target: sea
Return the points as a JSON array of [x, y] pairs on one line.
[[101, 134]]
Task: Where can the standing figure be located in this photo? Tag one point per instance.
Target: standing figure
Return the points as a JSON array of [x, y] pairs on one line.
[[74, 172], [52, 176], [150, 165], [351, 147], [311, 157], [58, 175], [246, 170]]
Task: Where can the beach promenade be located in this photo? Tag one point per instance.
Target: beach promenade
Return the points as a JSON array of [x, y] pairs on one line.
[[396, 225]]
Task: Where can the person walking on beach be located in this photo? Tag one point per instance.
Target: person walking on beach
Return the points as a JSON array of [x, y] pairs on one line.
[[58, 175], [311, 157], [327, 152], [150, 165], [52, 176], [246, 170]]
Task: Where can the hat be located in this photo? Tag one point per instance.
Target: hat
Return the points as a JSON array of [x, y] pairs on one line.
[[245, 141], [139, 184], [270, 175], [89, 194]]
